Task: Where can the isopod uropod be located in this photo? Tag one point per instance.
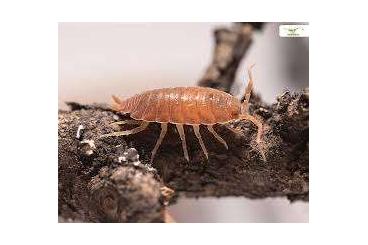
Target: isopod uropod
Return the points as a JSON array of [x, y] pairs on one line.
[[193, 106]]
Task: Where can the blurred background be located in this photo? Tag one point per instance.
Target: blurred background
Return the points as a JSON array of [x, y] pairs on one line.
[[97, 60]]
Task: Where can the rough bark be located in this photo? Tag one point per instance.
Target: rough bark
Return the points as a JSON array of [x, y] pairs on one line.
[[111, 180], [105, 180], [100, 182]]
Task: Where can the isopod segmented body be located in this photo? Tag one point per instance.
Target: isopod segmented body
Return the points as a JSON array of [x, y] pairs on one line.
[[182, 105], [193, 106]]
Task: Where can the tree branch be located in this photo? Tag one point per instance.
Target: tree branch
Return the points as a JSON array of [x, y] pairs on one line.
[[103, 180], [111, 180], [231, 45]]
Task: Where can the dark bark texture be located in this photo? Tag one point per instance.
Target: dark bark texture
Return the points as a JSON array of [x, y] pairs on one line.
[[111, 179]]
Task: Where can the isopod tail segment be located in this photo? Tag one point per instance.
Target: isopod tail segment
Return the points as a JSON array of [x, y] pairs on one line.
[[175, 106]]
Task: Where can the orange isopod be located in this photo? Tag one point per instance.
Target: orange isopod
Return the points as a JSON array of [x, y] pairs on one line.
[[193, 106]]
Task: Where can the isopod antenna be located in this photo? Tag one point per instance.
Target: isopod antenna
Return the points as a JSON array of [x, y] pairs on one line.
[[248, 90]]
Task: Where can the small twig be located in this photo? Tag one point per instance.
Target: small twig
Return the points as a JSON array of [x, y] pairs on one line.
[[231, 45]]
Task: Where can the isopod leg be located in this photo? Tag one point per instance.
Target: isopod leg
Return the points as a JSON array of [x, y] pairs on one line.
[[199, 137], [138, 129], [159, 141], [183, 142], [248, 91], [126, 122], [218, 137], [256, 122]]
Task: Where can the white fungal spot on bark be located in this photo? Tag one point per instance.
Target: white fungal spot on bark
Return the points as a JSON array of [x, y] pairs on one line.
[[79, 131]]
